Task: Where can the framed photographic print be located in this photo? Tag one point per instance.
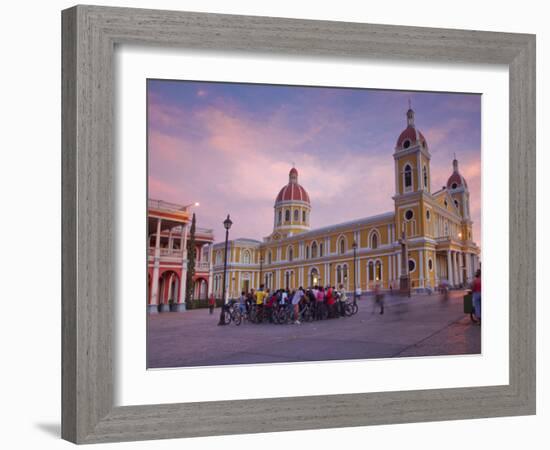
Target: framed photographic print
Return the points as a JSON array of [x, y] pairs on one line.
[[278, 224]]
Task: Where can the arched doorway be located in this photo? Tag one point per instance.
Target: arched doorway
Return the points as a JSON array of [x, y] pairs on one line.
[[200, 290], [169, 283]]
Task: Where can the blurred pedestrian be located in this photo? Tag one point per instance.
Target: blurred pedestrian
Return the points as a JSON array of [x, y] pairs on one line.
[[211, 303], [476, 295], [378, 298]]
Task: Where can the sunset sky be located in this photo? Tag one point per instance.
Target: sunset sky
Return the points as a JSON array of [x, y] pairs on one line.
[[231, 146]]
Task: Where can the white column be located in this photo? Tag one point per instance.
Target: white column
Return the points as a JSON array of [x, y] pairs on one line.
[[460, 257], [455, 268], [156, 265], [358, 273], [183, 284], [421, 268], [436, 276], [210, 264], [449, 268]]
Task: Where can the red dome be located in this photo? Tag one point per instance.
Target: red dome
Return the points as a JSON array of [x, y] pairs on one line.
[[293, 191], [412, 135], [456, 178]]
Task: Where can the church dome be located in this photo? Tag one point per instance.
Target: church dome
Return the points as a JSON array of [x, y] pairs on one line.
[[293, 191], [410, 136], [456, 180]]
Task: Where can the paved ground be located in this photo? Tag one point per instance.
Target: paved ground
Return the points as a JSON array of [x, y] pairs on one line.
[[420, 326]]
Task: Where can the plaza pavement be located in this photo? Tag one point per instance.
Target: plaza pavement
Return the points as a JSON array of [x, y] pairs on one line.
[[422, 325]]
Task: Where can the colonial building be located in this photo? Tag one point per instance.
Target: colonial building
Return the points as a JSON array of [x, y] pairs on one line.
[[168, 232], [432, 229]]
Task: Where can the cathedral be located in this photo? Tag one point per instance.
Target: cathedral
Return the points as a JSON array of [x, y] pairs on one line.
[[425, 240]]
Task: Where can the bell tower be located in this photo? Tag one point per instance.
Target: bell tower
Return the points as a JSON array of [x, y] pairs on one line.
[[412, 178], [412, 159]]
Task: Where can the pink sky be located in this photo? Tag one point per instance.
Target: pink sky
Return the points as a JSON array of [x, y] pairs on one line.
[[230, 147]]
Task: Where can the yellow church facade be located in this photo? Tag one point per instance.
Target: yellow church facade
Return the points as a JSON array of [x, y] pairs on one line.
[[431, 230]]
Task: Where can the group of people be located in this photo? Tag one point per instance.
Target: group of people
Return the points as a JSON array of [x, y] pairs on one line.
[[325, 301]]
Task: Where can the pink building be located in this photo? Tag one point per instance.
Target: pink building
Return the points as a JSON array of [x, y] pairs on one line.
[[168, 232]]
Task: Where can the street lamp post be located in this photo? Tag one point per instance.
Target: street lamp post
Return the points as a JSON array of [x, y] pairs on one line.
[[261, 269], [354, 271], [227, 225]]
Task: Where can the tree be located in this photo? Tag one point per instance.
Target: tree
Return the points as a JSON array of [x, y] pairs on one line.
[[191, 255]]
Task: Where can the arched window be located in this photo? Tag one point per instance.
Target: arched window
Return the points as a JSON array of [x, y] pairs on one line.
[[342, 246], [296, 215], [412, 265], [456, 203], [290, 253], [280, 219], [371, 271], [307, 251], [314, 250], [425, 176], [218, 257], [374, 240], [408, 176], [321, 250], [269, 258], [378, 267], [338, 275], [287, 215], [246, 257], [304, 216], [430, 264]]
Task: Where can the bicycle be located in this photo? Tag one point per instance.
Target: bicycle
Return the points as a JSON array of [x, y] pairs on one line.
[[232, 313], [350, 308]]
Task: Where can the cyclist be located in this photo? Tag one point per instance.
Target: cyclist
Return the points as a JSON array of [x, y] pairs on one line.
[[242, 302], [260, 297], [296, 302]]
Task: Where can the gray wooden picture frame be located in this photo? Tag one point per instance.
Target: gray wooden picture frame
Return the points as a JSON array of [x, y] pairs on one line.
[[90, 34]]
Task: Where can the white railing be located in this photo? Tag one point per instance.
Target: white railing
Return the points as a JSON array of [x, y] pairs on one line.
[[167, 206], [166, 252], [202, 266]]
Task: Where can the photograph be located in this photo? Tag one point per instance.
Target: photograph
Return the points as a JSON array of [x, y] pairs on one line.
[[306, 224]]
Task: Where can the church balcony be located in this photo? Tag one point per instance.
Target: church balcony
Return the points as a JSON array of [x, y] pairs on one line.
[[202, 266]]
